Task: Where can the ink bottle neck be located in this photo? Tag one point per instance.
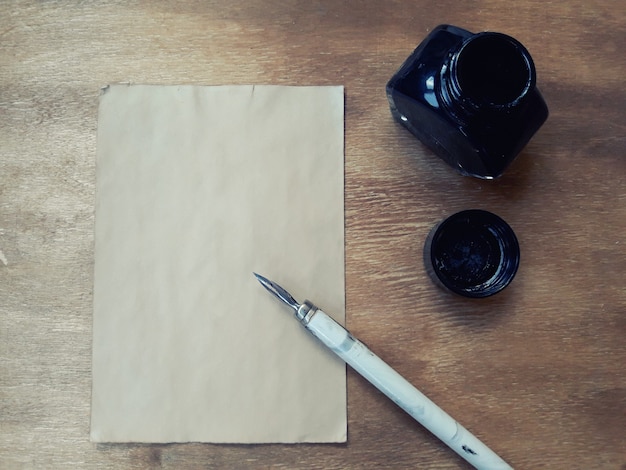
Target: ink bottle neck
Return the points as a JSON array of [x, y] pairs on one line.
[[489, 75]]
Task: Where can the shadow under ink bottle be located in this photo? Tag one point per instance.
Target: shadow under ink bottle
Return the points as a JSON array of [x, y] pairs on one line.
[[471, 98]]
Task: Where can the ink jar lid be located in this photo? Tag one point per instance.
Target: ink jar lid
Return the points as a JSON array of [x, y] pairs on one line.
[[473, 253]]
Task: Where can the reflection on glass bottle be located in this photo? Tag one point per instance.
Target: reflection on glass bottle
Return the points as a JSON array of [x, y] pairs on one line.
[[470, 98]]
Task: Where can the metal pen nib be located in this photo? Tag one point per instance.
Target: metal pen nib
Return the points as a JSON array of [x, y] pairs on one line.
[[278, 291]]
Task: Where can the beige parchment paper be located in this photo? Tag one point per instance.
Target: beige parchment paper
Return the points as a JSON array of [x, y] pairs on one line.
[[197, 187]]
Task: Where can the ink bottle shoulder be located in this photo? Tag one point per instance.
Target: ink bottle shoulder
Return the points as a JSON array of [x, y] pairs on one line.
[[471, 98]]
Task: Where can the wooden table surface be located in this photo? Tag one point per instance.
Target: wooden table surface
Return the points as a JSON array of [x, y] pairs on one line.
[[537, 371]]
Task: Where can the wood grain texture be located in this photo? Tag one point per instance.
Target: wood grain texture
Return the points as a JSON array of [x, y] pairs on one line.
[[537, 371]]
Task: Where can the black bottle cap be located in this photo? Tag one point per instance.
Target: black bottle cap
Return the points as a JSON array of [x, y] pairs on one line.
[[473, 253]]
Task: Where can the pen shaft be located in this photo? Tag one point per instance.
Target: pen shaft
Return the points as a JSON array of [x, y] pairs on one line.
[[400, 391]]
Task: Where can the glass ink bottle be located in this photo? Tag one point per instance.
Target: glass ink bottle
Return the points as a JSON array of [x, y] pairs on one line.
[[470, 98]]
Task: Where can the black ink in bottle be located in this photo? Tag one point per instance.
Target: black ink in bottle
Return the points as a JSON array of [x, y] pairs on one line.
[[471, 98]]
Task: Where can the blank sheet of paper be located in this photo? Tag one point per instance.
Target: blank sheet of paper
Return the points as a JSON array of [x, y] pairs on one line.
[[197, 187]]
